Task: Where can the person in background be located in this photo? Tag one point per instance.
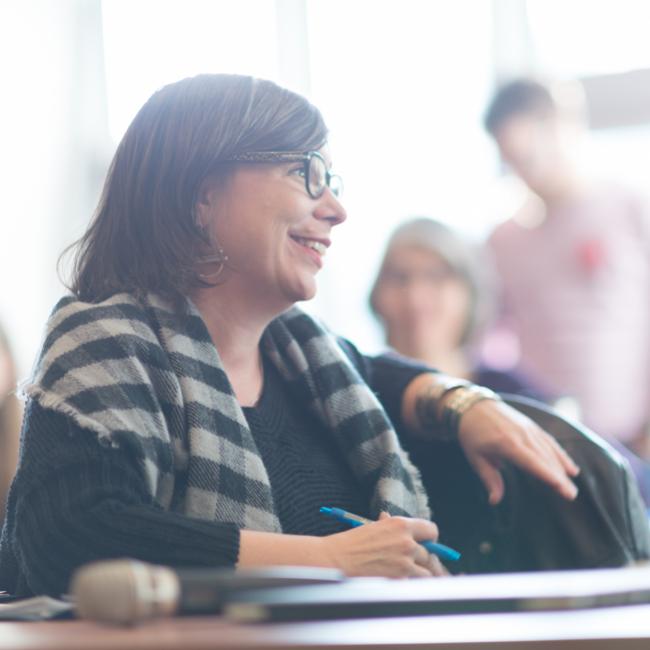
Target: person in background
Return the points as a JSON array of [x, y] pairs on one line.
[[10, 419], [433, 295], [573, 265], [184, 411]]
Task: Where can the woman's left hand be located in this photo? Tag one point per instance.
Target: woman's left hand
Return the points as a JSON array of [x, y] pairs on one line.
[[492, 433]]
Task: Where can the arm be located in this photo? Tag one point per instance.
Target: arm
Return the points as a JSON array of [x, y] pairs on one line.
[[490, 433], [75, 501], [388, 547]]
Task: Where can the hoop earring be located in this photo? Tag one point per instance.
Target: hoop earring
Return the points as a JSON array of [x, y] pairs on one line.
[[220, 258]]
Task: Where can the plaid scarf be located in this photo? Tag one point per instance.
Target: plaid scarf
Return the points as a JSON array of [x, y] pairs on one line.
[[141, 375]]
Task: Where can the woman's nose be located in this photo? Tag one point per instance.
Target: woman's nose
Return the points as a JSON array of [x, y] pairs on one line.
[[330, 208]]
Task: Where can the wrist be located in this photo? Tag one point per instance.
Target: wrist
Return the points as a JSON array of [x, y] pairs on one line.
[[458, 402], [431, 399]]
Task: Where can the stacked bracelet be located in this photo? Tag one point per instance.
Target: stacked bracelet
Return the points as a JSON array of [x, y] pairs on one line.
[[461, 400], [428, 403], [445, 384]]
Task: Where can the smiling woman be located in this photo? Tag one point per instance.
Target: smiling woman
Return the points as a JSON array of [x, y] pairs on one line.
[[274, 218], [184, 411]]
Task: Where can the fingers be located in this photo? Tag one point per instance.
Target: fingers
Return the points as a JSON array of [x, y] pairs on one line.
[[423, 529], [548, 470], [430, 562], [567, 462], [420, 572], [436, 567], [423, 563], [419, 564], [422, 557], [495, 432], [491, 478], [389, 547], [420, 529], [558, 463]]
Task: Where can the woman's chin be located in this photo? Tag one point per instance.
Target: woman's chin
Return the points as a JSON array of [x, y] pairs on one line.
[[307, 295], [301, 292]]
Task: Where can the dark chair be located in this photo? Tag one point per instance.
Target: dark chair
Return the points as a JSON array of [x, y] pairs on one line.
[[534, 528]]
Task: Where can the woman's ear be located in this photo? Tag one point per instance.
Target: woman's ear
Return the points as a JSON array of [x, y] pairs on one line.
[[211, 195], [204, 204]]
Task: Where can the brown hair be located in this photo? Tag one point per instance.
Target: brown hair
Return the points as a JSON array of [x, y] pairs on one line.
[[521, 96], [143, 236]]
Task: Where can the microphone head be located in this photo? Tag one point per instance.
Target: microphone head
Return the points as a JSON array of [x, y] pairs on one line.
[[124, 591]]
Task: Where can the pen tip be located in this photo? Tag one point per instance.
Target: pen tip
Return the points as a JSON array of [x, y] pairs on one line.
[[325, 509]]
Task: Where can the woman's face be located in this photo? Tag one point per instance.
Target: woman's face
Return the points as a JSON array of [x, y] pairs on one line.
[[274, 234], [424, 305]]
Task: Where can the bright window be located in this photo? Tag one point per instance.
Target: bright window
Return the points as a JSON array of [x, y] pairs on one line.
[[149, 43], [589, 37], [402, 86]]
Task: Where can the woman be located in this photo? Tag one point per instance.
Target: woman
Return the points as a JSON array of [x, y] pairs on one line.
[[10, 416], [184, 412], [433, 294]]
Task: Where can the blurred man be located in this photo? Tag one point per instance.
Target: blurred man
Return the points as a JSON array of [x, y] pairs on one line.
[[574, 264]]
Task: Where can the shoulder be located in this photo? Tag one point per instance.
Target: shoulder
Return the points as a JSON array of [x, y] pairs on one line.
[[619, 198], [506, 233], [82, 335], [120, 313], [117, 318], [523, 224]]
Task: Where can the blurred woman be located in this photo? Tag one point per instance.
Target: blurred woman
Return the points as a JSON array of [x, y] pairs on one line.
[[433, 295], [10, 417]]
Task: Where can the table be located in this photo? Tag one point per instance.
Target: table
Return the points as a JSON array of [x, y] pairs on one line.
[[614, 628]]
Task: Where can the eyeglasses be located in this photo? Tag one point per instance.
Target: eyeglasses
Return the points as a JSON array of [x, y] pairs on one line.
[[317, 176]]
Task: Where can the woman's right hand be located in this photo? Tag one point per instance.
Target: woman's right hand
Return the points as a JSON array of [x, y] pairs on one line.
[[389, 547]]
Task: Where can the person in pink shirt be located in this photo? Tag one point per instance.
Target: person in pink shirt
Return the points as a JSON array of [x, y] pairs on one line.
[[574, 265]]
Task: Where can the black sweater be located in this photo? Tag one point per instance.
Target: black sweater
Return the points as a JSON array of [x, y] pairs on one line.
[[75, 500], [302, 461]]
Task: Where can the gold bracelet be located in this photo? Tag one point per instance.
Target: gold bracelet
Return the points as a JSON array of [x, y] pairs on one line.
[[460, 402], [427, 404]]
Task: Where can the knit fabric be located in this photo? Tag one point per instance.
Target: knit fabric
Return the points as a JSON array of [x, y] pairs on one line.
[[145, 376], [303, 463], [75, 500]]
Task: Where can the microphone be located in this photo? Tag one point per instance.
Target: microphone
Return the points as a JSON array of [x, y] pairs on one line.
[[127, 591]]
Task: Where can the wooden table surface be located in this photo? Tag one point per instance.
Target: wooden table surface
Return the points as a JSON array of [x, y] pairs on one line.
[[621, 628]]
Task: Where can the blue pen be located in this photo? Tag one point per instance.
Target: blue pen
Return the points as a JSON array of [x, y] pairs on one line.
[[442, 551]]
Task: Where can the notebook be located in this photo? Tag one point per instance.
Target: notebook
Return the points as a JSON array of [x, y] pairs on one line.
[[38, 608], [382, 597]]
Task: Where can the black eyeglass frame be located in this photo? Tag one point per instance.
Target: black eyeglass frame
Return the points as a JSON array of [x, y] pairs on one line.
[[293, 156]]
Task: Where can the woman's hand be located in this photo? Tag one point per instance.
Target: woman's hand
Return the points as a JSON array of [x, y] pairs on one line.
[[388, 547], [492, 432]]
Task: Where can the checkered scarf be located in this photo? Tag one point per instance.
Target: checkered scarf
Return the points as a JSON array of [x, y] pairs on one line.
[[143, 376]]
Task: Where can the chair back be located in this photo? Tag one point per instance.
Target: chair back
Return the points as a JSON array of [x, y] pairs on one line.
[[533, 528]]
